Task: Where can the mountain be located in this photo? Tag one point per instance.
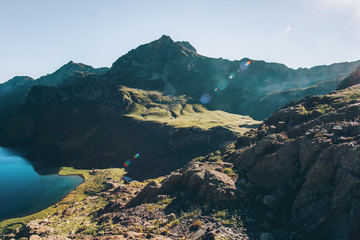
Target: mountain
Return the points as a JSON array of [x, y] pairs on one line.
[[274, 99], [351, 80], [92, 124], [295, 176], [176, 68], [14, 92], [84, 114]]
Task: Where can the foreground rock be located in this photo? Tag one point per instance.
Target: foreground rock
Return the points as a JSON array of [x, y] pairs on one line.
[[200, 181], [303, 162]]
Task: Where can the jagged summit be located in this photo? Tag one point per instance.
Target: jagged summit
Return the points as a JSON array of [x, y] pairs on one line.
[[150, 55], [166, 41]]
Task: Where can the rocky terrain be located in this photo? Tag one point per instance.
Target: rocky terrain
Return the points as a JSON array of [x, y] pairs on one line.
[[303, 164], [106, 206]]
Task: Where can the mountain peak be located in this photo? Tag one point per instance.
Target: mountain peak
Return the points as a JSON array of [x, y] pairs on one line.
[[153, 55], [165, 38]]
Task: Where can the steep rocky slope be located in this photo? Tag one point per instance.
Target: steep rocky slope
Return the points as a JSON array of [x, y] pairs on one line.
[[93, 124], [351, 80], [234, 86], [303, 162]]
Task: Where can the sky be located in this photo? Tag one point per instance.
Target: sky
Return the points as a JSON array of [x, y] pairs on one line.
[[39, 36]]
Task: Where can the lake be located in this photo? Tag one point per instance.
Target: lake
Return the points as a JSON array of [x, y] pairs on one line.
[[23, 191]]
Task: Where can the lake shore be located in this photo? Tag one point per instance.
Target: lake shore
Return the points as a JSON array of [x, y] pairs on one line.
[[92, 183]]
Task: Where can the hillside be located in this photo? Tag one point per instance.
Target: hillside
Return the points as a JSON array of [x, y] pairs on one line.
[[90, 124], [351, 80]]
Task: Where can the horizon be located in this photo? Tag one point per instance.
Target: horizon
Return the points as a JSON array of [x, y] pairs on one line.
[[40, 37]]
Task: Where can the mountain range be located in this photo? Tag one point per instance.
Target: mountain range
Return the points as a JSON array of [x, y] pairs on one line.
[[193, 123]]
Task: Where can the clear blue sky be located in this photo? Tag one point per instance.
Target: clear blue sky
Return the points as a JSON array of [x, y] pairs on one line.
[[39, 36]]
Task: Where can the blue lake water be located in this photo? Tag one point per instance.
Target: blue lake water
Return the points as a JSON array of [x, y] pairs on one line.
[[23, 191]]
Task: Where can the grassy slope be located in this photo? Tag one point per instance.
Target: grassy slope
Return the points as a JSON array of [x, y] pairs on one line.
[[175, 111]]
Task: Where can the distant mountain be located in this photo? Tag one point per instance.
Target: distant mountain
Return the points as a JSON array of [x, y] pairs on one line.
[[274, 99], [14, 92], [176, 68], [351, 80]]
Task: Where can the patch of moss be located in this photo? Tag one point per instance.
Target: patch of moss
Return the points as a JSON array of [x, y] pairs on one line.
[[230, 172]]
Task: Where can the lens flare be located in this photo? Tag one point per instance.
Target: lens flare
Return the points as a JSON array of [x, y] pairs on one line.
[[205, 98], [222, 84], [245, 65], [288, 29], [136, 155], [127, 163], [216, 89], [232, 75]]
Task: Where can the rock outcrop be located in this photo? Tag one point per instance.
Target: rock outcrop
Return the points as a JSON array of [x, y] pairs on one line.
[[303, 162], [199, 180]]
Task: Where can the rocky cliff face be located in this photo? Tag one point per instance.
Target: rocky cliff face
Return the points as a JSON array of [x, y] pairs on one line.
[[176, 68], [303, 162]]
